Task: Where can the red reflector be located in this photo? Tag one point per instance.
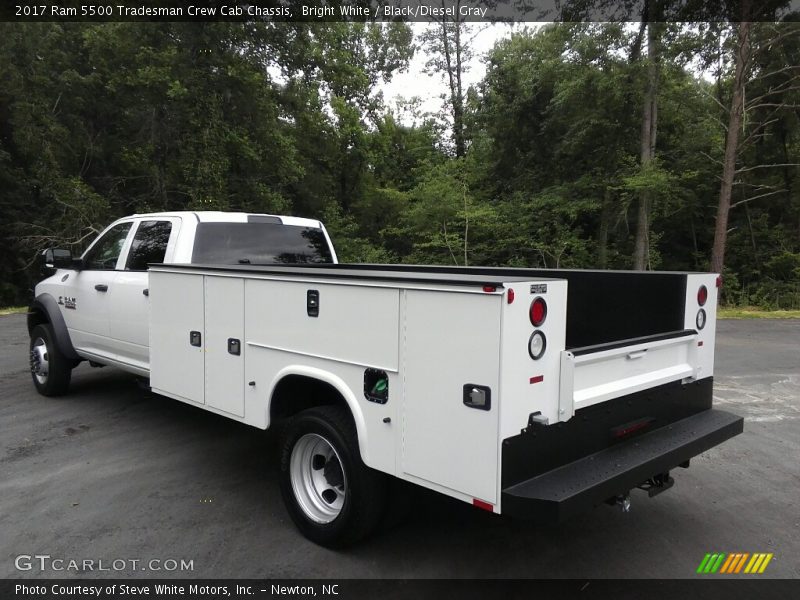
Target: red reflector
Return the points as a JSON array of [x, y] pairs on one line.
[[702, 295], [538, 311], [626, 430], [537, 379], [719, 281], [510, 295], [699, 343], [482, 504], [489, 289]]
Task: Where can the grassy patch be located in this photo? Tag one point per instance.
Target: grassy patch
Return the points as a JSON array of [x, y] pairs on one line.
[[751, 312], [13, 310]]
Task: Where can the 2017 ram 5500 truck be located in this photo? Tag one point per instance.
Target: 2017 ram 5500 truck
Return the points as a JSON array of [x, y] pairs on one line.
[[535, 393]]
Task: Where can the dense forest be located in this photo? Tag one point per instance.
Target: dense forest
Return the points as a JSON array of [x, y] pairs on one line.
[[650, 145]]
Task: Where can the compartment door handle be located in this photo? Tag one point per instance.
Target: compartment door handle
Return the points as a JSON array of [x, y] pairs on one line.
[[477, 396], [312, 303]]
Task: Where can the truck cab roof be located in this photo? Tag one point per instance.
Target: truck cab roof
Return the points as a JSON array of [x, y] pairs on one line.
[[215, 216]]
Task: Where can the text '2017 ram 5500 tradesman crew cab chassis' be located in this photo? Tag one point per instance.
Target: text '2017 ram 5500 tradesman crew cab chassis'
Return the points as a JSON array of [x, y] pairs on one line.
[[530, 392]]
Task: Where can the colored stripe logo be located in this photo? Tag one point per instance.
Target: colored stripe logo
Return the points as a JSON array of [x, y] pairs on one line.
[[734, 563]]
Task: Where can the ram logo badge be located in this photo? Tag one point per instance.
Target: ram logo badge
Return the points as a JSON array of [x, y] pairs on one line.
[[67, 302]]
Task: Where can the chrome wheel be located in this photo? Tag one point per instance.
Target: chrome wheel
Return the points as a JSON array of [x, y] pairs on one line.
[[40, 361], [317, 478]]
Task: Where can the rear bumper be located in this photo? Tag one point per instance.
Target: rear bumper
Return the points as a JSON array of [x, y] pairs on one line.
[[577, 486]]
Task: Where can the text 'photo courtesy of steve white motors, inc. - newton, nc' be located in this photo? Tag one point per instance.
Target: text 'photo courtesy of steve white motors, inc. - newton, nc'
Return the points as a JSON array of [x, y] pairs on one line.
[[171, 590], [321, 11]]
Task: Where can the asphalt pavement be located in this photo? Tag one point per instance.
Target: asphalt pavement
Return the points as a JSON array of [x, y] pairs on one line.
[[114, 473]]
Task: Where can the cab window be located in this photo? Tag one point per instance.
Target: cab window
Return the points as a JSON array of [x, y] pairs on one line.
[[259, 243], [149, 245], [103, 255]]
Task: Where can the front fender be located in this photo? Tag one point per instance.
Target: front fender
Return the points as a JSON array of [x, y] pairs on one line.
[[47, 306]]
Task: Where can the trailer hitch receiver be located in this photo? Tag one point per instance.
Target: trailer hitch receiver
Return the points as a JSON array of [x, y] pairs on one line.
[[657, 484]]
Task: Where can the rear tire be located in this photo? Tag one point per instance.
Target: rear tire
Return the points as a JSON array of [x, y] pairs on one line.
[[333, 498], [51, 371]]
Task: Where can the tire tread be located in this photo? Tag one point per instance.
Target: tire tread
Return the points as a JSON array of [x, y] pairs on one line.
[[60, 366], [366, 490]]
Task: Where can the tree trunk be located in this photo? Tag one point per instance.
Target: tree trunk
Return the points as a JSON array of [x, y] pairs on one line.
[[641, 252], [742, 59], [602, 234], [452, 50], [458, 101]]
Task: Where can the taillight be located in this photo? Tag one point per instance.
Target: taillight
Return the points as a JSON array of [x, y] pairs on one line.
[[538, 311], [702, 295], [537, 345]]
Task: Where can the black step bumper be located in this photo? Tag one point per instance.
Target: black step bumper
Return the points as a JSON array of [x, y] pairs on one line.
[[576, 487]]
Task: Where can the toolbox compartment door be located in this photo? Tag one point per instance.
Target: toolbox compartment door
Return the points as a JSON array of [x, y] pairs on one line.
[[224, 344], [445, 440], [177, 312]]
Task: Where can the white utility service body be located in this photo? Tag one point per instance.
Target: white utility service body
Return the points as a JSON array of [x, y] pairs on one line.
[[431, 334], [536, 393], [430, 338]]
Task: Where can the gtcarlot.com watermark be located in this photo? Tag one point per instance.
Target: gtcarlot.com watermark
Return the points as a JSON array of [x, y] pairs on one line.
[[47, 563]]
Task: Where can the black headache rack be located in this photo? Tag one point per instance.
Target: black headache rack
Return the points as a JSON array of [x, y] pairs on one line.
[[584, 483]]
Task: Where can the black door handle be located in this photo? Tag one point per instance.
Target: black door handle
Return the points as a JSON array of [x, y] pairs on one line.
[[101, 287], [146, 291], [312, 303]]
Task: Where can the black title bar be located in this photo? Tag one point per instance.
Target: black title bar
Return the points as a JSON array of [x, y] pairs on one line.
[[310, 11], [391, 589]]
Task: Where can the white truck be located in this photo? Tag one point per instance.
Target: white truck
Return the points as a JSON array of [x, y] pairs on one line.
[[528, 392]]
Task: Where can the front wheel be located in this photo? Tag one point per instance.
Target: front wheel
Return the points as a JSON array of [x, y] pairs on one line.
[[331, 495], [50, 369]]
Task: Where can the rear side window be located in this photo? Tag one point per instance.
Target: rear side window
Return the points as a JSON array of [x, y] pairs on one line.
[[149, 245], [105, 252], [259, 243]]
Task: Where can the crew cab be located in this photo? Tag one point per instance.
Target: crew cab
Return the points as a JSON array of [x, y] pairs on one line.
[[102, 297], [529, 392]]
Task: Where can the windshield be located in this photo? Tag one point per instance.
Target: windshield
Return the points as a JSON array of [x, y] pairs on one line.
[[259, 243]]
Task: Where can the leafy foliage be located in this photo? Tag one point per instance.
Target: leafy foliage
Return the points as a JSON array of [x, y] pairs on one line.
[[102, 120]]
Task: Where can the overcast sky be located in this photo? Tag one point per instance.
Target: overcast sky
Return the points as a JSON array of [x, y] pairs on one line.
[[429, 88]]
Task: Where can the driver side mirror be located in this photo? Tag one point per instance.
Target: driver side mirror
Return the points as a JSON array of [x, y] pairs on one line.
[[58, 258]]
